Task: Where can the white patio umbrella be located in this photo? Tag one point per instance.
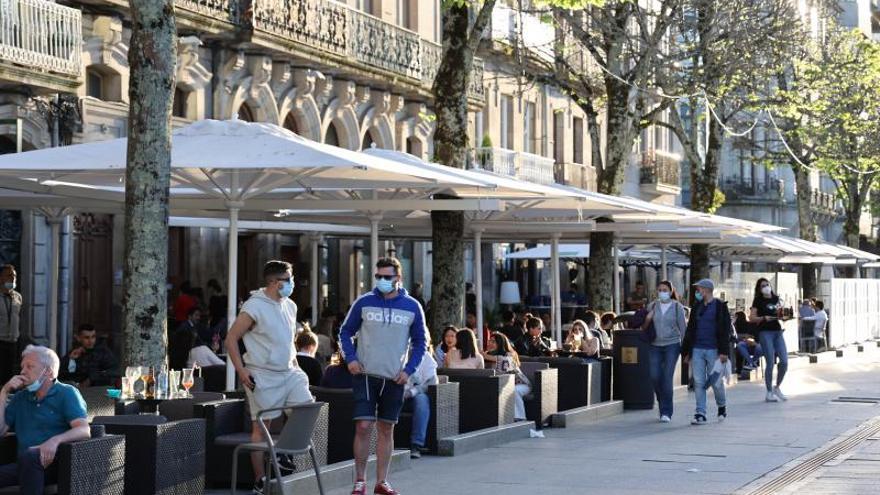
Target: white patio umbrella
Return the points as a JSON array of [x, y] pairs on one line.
[[235, 165]]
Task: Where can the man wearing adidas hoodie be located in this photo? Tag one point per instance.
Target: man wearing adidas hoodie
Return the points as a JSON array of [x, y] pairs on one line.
[[386, 322]]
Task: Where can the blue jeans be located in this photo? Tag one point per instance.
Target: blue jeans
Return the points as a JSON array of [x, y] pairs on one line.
[[743, 350], [421, 409], [663, 361], [28, 473], [774, 346], [702, 361]]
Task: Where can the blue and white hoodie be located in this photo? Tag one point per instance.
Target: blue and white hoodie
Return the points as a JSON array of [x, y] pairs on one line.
[[385, 329]]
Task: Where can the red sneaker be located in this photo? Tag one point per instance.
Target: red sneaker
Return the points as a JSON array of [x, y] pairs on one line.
[[384, 488], [360, 488]]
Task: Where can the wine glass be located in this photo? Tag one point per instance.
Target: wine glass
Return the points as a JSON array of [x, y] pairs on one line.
[[132, 373], [187, 380], [145, 375]]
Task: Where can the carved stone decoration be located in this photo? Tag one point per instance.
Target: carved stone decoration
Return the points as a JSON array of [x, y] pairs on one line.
[[103, 47], [342, 112], [378, 119], [192, 76], [296, 90], [415, 122], [35, 131], [246, 79]]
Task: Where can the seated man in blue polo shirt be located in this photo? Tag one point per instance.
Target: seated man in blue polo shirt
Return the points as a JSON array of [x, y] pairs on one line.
[[43, 413]]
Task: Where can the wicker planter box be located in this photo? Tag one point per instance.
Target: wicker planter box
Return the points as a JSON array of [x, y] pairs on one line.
[[542, 402], [485, 399], [160, 457], [444, 417]]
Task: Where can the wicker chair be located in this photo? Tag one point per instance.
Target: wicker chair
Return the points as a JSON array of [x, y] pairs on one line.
[[542, 401], [89, 467], [228, 424], [444, 416], [485, 398], [161, 457], [97, 401]]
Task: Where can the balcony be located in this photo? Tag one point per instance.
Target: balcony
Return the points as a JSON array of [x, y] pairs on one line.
[[40, 45], [576, 175], [753, 191], [329, 31], [525, 166], [660, 173], [209, 16], [825, 204]]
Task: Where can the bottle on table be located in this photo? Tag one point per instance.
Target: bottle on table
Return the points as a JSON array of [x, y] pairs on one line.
[[162, 384], [150, 384]]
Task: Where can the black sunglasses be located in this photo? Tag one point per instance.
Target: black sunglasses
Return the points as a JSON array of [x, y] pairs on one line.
[[384, 277]]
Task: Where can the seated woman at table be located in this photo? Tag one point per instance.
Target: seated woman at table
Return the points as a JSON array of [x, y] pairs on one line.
[[447, 344], [606, 327], [501, 356], [464, 355], [200, 354], [582, 340]]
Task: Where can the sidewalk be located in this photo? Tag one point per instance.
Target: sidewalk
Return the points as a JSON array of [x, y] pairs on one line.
[[634, 454]]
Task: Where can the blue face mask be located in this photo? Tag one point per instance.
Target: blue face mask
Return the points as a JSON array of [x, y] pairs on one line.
[[9, 285], [384, 286], [286, 289], [664, 296], [33, 387], [698, 296]]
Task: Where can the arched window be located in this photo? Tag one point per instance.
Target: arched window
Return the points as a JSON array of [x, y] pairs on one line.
[[245, 113], [94, 84], [368, 140], [414, 146], [103, 83], [181, 96], [290, 123], [332, 137]]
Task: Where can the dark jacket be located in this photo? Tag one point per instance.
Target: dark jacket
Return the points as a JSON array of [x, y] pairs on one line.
[[723, 327], [525, 346], [312, 369], [98, 365]]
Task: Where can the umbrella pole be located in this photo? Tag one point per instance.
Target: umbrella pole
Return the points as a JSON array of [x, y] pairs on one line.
[[232, 288], [315, 241], [374, 242], [616, 280], [663, 273], [478, 283], [555, 298]]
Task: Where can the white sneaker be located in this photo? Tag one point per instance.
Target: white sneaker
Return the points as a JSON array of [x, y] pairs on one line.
[[770, 397], [665, 419], [778, 393]]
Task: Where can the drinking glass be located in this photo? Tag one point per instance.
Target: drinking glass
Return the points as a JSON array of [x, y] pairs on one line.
[[132, 373], [127, 392], [173, 383], [187, 380], [145, 375]]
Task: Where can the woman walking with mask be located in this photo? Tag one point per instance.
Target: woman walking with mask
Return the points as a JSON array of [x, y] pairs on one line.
[[667, 315], [765, 313]]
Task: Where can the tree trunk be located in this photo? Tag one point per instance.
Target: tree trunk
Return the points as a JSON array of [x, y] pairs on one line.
[[621, 136], [704, 182], [807, 227], [152, 56], [460, 42]]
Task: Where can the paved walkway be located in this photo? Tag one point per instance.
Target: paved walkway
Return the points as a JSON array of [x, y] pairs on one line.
[[634, 454]]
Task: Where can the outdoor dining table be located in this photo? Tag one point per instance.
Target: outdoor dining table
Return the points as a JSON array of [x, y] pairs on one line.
[[147, 406]]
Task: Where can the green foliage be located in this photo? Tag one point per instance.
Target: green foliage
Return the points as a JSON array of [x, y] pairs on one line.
[[835, 98], [487, 141], [717, 201]]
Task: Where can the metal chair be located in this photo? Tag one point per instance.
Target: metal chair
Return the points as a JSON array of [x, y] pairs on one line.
[[295, 439]]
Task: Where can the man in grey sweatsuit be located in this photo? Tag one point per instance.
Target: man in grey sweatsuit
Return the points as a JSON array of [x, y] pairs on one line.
[[387, 323]]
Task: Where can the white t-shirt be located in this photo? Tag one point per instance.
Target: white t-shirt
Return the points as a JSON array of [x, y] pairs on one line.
[[204, 356], [270, 342]]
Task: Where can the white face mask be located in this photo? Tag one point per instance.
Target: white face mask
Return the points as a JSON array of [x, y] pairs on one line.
[[766, 290]]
